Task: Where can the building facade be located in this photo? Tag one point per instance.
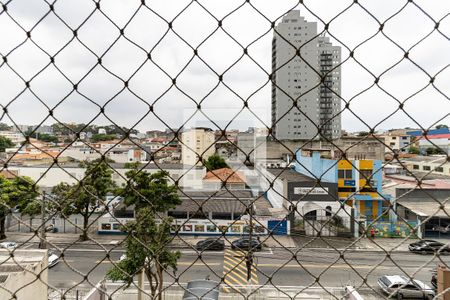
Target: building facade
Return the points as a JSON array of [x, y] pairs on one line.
[[396, 142], [197, 144], [305, 81], [359, 181]]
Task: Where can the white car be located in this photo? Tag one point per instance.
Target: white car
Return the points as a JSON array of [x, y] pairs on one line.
[[402, 287], [53, 259], [8, 245]]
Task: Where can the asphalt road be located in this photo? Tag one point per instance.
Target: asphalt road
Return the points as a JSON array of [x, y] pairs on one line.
[[86, 265]]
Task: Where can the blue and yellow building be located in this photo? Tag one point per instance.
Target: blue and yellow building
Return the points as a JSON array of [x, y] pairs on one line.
[[359, 180]]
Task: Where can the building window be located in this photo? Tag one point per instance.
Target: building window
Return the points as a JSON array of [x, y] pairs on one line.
[[439, 169], [416, 167], [177, 214], [426, 168], [365, 173], [328, 211], [221, 216], [345, 174]]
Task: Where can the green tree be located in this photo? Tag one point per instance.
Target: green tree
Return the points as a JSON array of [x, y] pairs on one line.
[[84, 197], [102, 137], [19, 192], [4, 127], [363, 133], [413, 150], [215, 162], [5, 143], [434, 151], [441, 126], [149, 190], [47, 138], [147, 252]]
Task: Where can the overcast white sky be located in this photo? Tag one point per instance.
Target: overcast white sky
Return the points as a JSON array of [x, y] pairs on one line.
[[197, 82]]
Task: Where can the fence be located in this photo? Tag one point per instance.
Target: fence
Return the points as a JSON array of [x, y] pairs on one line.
[[264, 125]]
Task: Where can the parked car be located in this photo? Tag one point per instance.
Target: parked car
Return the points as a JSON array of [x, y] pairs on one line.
[[8, 245], [53, 259], [402, 287], [246, 244], [210, 244], [429, 246]]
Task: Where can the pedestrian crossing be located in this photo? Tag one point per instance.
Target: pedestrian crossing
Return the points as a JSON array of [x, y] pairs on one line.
[[235, 271]]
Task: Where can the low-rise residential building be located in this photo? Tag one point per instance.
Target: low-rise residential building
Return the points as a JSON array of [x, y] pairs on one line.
[[197, 144], [397, 142], [16, 137], [232, 180], [435, 164]]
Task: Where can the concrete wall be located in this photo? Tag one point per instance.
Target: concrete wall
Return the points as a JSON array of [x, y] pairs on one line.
[[325, 169], [23, 282], [49, 177]]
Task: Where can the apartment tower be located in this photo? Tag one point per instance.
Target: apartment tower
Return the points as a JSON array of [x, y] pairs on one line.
[[306, 81]]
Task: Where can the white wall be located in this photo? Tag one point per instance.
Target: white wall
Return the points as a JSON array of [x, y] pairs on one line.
[[24, 282], [46, 177]]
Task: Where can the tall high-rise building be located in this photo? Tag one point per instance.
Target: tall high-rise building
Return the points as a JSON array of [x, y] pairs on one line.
[[306, 81]]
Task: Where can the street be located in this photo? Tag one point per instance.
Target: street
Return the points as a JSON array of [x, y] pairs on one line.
[[271, 267]]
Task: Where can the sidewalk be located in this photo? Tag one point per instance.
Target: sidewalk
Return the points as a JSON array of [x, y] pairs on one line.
[[178, 241], [64, 238], [278, 241]]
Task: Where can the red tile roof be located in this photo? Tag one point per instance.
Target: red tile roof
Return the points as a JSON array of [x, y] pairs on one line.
[[225, 175]]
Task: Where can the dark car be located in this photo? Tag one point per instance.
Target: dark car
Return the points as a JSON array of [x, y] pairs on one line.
[[210, 244], [246, 244], [429, 246]]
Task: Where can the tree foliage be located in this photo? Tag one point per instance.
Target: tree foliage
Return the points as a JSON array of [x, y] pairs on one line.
[[4, 127], [149, 190], [215, 162], [87, 195], [5, 143], [149, 235], [441, 126], [19, 192], [434, 151], [102, 137], [147, 251], [45, 137], [413, 150]]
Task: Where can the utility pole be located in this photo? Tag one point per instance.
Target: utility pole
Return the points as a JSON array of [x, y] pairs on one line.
[[249, 258], [43, 242]]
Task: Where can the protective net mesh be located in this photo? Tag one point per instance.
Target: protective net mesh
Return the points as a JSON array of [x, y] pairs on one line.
[[299, 209]]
